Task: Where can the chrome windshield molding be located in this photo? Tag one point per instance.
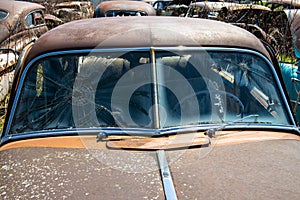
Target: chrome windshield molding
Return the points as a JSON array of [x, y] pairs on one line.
[[20, 85], [166, 177], [244, 126], [81, 132]]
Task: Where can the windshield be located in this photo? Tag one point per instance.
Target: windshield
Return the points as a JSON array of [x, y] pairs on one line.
[[143, 90], [3, 14], [120, 13], [70, 6]]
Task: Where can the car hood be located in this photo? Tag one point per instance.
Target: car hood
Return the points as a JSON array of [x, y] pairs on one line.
[[230, 168], [76, 173]]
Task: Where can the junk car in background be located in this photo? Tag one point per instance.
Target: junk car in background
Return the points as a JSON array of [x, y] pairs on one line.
[[291, 71], [73, 10], [195, 108], [124, 8], [20, 24]]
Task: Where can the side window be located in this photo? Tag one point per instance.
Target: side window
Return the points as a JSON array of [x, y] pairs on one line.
[[3, 14], [35, 18], [38, 18], [29, 20]]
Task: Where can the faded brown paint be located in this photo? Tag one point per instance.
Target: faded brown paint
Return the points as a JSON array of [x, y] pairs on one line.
[[54, 142], [224, 138]]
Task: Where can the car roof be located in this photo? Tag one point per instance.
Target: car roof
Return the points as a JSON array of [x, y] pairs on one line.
[[126, 5], [144, 31], [229, 5], [285, 2], [72, 3], [16, 10]]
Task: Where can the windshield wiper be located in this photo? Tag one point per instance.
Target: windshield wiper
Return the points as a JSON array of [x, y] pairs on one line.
[[211, 133], [156, 133]]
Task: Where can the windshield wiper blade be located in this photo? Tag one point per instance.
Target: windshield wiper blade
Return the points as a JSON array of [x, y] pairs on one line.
[[212, 131], [122, 134]]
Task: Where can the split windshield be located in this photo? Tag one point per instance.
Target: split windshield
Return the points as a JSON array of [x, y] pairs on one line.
[[134, 90]]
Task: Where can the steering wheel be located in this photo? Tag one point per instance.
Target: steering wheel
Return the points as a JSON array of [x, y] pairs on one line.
[[216, 100]]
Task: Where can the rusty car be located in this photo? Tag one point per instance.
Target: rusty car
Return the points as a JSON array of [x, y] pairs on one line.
[[20, 24], [220, 9], [124, 8], [291, 70], [73, 10], [149, 107]]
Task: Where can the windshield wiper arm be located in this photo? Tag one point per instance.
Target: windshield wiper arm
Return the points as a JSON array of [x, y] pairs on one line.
[[212, 131], [103, 135]]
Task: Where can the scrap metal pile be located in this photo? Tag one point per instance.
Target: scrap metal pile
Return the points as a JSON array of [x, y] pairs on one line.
[[268, 21]]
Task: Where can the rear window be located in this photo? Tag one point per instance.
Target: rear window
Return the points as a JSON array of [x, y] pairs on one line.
[[3, 14], [116, 13]]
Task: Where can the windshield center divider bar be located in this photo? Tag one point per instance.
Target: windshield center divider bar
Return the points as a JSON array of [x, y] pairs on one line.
[[169, 189], [154, 78]]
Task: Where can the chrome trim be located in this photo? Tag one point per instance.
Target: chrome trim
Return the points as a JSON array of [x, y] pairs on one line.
[[155, 88], [276, 79], [166, 177]]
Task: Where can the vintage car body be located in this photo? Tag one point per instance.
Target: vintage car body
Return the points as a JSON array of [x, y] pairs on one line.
[[291, 71], [283, 4], [213, 10], [19, 20], [124, 8], [20, 24], [290, 7], [160, 6], [185, 112], [52, 21], [73, 10]]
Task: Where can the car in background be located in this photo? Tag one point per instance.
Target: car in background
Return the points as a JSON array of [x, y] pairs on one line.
[[291, 71], [21, 23], [219, 9], [160, 5], [149, 108], [124, 8], [73, 10], [290, 7]]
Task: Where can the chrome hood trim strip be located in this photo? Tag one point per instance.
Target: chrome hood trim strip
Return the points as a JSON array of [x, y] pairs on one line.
[[166, 177]]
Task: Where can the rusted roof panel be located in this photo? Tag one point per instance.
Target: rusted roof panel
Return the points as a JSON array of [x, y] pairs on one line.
[[126, 5], [127, 32]]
